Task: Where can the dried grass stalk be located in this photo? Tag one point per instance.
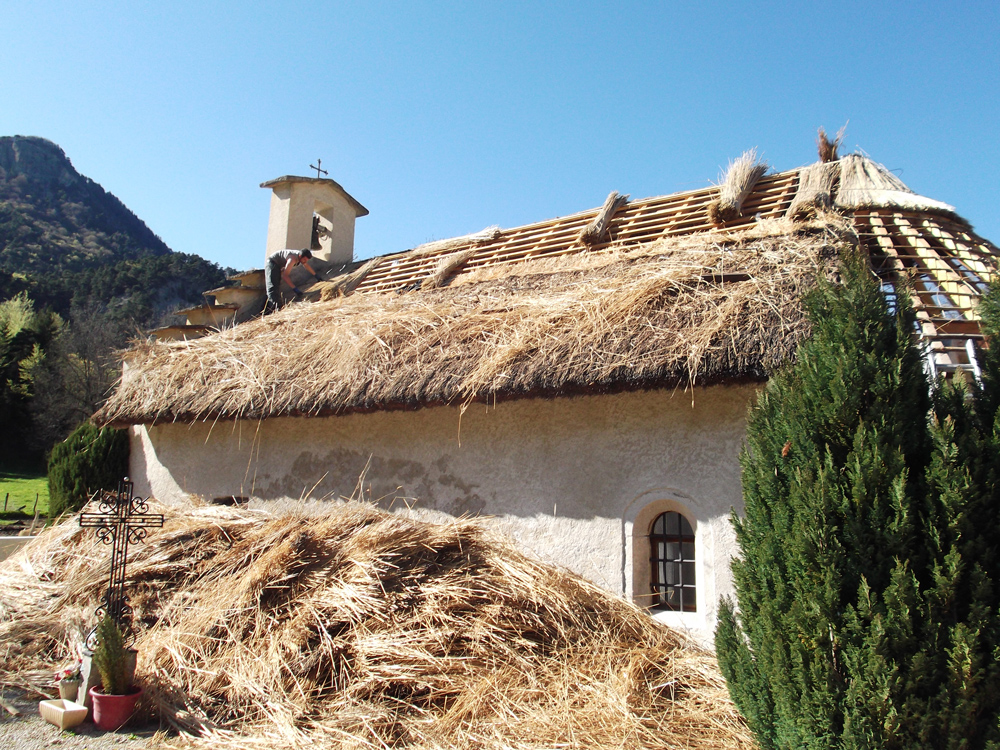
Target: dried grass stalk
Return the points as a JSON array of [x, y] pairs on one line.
[[357, 628], [619, 319], [596, 231], [740, 178], [827, 148]]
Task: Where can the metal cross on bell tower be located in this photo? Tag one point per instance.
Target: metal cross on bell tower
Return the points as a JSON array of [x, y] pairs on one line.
[[123, 519], [318, 168]]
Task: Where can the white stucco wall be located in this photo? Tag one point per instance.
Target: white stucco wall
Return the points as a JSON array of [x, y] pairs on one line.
[[568, 478]]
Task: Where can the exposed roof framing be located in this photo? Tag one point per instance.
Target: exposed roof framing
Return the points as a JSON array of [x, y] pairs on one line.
[[637, 223]]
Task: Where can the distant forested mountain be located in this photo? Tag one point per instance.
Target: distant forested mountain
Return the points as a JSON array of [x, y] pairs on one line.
[[80, 275], [68, 242]]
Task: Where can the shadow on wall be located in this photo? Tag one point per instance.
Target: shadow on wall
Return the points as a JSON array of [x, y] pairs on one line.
[[384, 481]]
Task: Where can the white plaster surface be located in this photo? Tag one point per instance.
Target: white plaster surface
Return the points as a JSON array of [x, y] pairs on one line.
[[577, 481]]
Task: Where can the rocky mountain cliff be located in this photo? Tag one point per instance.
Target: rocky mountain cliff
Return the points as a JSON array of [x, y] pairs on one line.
[[68, 242]]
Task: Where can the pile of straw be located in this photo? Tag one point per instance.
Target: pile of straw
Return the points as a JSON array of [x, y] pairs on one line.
[[357, 628], [712, 307]]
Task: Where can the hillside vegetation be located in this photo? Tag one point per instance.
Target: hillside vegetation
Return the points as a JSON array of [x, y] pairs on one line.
[[80, 275], [66, 241]]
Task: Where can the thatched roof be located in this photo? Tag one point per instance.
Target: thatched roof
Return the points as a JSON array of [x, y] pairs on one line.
[[663, 297]]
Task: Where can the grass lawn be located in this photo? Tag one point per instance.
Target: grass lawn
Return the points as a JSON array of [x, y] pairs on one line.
[[18, 491]]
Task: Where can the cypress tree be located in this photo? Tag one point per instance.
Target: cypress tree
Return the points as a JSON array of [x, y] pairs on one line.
[[954, 686], [867, 612]]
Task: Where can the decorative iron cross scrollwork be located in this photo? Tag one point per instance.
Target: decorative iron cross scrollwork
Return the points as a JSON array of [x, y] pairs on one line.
[[123, 519]]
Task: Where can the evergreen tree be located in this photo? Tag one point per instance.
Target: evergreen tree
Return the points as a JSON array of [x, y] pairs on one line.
[[90, 459], [954, 688], [867, 612]]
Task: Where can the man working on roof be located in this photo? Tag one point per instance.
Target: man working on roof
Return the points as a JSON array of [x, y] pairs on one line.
[[278, 266]]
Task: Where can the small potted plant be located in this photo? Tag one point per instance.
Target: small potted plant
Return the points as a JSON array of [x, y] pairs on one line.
[[69, 681], [115, 701]]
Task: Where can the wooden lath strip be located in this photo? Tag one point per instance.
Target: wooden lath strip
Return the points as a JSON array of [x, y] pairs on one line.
[[871, 225], [971, 270], [961, 250], [881, 232], [895, 236], [949, 281], [947, 338]]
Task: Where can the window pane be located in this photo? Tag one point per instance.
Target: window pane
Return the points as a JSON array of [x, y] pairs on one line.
[[688, 572], [670, 573], [687, 551]]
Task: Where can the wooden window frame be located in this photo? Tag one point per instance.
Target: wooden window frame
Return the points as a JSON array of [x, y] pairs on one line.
[[673, 528]]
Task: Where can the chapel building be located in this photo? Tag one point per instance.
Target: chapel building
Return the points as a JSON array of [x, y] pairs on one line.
[[580, 383]]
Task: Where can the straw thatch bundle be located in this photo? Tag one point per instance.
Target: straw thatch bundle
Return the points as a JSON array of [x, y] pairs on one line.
[[596, 231], [703, 308], [865, 184], [347, 283], [815, 191], [447, 267], [451, 244], [357, 628], [828, 149], [739, 181]]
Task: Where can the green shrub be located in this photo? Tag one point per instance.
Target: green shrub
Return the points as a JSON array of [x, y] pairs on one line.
[[90, 459], [110, 658]]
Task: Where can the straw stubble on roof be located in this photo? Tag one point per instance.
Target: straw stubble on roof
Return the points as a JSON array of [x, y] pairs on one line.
[[357, 628], [712, 307]]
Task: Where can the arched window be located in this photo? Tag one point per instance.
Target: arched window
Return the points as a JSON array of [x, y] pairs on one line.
[[671, 544]]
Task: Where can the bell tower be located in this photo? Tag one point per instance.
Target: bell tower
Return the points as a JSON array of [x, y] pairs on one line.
[[314, 213]]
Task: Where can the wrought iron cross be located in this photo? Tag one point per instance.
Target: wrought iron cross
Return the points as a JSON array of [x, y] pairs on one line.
[[319, 164], [122, 520]]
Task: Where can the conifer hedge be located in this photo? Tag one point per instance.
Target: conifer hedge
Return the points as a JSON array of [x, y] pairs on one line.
[[91, 458], [867, 584]]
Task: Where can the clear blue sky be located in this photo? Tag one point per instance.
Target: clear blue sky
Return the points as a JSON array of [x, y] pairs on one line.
[[444, 118]]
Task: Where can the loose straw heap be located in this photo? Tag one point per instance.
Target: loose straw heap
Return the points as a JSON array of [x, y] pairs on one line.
[[358, 628]]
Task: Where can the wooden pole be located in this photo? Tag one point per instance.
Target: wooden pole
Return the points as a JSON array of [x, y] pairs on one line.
[[34, 511]]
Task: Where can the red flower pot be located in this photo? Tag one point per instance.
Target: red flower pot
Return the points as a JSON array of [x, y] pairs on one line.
[[112, 711]]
